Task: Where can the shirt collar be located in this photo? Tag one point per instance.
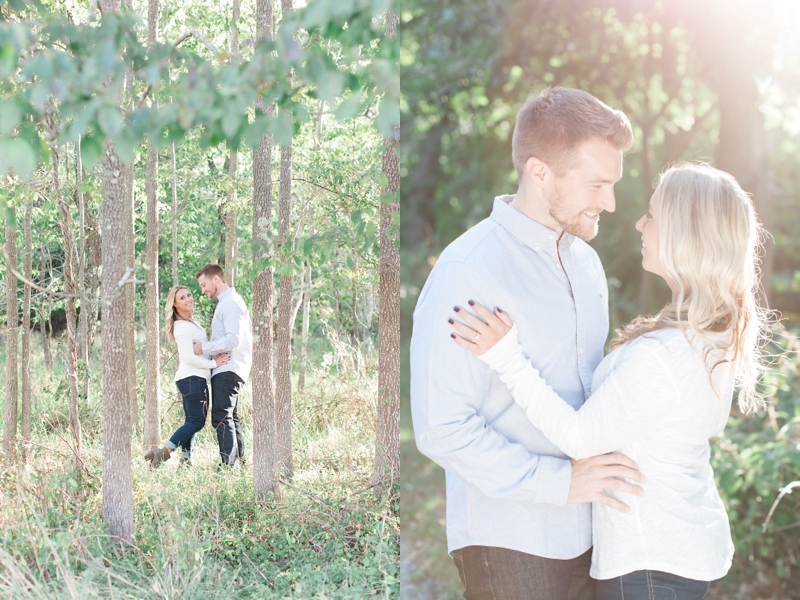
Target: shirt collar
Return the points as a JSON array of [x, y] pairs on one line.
[[225, 294], [529, 232]]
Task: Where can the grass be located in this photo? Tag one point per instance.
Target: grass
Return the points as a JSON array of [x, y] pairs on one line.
[[199, 533]]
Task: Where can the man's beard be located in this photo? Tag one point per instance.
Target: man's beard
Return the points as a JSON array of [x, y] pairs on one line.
[[571, 223]]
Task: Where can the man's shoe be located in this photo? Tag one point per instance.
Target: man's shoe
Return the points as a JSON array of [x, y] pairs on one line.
[[157, 455], [184, 462]]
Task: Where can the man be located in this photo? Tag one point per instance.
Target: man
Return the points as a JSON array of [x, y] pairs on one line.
[[518, 510], [231, 332]]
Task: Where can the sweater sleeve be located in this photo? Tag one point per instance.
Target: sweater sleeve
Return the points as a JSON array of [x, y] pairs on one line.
[[639, 393], [183, 339]]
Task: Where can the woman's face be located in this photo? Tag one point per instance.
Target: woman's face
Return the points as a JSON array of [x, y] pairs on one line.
[[648, 227], [184, 302]]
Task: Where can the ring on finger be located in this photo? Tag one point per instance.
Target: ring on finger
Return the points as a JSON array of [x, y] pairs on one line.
[[477, 335]]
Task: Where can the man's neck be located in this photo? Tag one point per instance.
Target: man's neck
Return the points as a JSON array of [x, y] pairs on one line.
[[532, 204], [221, 291]]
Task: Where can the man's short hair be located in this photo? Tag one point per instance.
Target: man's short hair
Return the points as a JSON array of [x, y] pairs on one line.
[[210, 271], [551, 125]]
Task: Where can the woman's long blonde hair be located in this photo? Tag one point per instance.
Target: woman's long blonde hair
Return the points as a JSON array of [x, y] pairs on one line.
[[709, 242], [171, 313]]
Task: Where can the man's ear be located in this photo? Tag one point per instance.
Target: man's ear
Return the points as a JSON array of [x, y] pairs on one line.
[[537, 171]]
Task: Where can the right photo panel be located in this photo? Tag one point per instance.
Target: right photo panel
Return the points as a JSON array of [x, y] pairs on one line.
[[600, 291]]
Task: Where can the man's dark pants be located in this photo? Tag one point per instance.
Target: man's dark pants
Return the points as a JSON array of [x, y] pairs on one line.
[[502, 574], [225, 388]]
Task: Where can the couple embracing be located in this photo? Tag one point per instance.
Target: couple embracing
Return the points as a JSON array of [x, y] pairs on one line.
[[570, 475], [224, 361]]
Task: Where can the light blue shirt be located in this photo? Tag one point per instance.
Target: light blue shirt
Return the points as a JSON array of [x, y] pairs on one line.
[[507, 485], [231, 332]]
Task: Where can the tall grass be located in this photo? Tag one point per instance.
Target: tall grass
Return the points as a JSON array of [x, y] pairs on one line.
[[199, 533]]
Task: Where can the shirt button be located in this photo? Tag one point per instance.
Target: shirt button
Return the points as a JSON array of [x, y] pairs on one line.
[[537, 249], [581, 350], [551, 236], [558, 265]]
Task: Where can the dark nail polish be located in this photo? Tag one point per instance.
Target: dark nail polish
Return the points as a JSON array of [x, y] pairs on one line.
[[456, 309], [499, 309], [472, 303], [453, 335], [450, 321]]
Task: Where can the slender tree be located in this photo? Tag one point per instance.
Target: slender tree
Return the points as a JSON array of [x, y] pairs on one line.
[[12, 335], [26, 328], [152, 405], [117, 476], [174, 218], [69, 289], [283, 375], [230, 216], [301, 379], [129, 292], [387, 449], [264, 459], [83, 319]]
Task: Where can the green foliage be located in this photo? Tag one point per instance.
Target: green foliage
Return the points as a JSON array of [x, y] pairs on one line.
[[69, 78], [753, 462]]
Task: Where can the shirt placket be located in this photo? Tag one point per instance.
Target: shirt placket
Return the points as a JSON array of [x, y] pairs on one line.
[[565, 264]]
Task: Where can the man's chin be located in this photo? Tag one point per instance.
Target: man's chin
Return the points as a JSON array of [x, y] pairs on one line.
[[584, 231]]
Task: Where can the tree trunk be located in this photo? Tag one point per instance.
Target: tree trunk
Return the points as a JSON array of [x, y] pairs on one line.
[[283, 376], [174, 219], [387, 448], [301, 380], [83, 320], [152, 403], [43, 326], [129, 293], [94, 260], [26, 329], [230, 215], [12, 336], [117, 477], [264, 460], [69, 289]]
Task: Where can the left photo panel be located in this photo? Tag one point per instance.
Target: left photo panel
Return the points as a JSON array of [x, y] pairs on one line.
[[200, 314]]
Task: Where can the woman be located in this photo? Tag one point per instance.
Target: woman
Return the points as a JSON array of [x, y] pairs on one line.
[[663, 390], [191, 377]]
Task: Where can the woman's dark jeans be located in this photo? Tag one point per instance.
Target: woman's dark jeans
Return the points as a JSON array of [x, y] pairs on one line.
[[651, 585], [194, 391]]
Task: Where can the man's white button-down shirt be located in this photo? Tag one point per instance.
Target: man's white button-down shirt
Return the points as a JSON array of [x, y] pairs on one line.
[[231, 332], [507, 485]]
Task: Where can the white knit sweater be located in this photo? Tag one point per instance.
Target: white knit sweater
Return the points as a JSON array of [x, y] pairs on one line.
[[189, 363], [653, 400]]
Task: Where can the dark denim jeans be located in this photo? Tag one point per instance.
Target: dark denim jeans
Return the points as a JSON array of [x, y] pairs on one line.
[[194, 391], [490, 573], [225, 388], [651, 585]]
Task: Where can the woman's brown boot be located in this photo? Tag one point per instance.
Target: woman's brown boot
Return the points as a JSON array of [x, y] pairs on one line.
[[157, 455]]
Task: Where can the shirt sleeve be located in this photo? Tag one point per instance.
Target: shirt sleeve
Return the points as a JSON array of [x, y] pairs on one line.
[[447, 388], [639, 393], [233, 319], [183, 333]]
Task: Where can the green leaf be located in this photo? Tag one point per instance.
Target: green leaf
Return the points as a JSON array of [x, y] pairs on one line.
[[125, 146], [91, 150], [349, 107], [10, 114], [17, 156], [230, 123], [388, 115], [282, 129], [110, 121]]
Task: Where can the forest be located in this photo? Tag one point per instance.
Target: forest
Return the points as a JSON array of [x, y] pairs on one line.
[[140, 141], [714, 81]]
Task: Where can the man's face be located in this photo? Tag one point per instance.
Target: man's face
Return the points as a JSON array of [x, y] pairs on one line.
[[208, 285], [579, 196]]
